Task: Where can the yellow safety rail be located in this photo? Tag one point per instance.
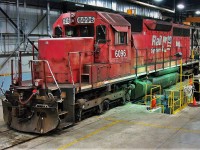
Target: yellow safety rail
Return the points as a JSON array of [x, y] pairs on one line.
[[192, 54], [150, 96], [171, 101], [177, 104], [151, 92], [162, 106], [184, 102], [152, 88], [190, 78]]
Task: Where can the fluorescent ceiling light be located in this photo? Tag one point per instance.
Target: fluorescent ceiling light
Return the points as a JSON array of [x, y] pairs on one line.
[[180, 6], [197, 12], [158, 0], [79, 5], [152, 6]]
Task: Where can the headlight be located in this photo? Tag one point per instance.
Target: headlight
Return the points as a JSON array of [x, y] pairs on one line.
[[36, 83], [15, 81]]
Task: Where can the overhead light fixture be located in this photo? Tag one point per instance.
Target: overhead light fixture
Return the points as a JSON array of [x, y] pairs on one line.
[[198, 12], [180, 6], [79, 5], [152, 6], [158, 0]]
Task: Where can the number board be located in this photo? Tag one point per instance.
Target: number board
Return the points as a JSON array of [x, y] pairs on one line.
[[66, 20], [119, 53], [85, 20]]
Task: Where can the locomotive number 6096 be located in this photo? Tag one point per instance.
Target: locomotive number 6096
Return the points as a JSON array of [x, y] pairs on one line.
[[120, 53]]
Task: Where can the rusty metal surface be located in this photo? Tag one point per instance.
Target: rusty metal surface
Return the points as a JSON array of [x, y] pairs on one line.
[[43, 119]]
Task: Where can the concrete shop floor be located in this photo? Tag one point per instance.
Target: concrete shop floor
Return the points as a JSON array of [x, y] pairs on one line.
[[126, 127]]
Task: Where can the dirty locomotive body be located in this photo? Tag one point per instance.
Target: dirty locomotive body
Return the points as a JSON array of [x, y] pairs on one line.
[[93, 61]]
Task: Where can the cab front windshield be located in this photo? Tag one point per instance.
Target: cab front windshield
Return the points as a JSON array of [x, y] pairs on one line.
[[79, 31]]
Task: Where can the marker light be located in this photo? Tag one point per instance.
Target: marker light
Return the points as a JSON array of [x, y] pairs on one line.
[[15, 81], [36, 83]]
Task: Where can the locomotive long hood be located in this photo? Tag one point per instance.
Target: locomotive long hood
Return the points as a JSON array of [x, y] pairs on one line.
[[60, 51], [58, 47]]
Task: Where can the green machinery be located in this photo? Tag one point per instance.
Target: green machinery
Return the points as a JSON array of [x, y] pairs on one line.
[[172, 99]]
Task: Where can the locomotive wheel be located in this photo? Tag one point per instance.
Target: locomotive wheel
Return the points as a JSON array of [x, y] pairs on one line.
[[106, 105]]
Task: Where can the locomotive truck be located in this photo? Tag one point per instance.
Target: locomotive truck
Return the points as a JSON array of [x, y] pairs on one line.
[[93, 60]]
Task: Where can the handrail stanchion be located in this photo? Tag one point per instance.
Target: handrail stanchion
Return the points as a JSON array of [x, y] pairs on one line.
[[163, 58], [20, 68], [12, 71], [146, 59], [32, 74], [186, 56], [45, 82], [136, 72], [33, 51], [170, 57], [80, 65], [176, 57], [155, 59], [80, 72], [45, 61]]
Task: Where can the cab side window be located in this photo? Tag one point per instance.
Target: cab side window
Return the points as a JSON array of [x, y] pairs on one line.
[[58, 32], [101, 34], [120, 38], [87, 31], [71, 31]]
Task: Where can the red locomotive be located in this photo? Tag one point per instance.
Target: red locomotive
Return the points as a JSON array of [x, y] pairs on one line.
[[90, 63]]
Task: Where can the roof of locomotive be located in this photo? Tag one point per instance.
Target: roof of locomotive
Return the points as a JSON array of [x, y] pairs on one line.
[[148, 20], [110, 18], [114, 19]]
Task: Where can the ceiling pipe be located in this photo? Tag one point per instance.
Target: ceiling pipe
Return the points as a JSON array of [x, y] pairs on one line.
[[25, 26], [48, 20], [18, 29], [9, 2], [152, 6]]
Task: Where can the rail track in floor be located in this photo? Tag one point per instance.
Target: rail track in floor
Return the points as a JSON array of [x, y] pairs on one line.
[[10, 137]]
